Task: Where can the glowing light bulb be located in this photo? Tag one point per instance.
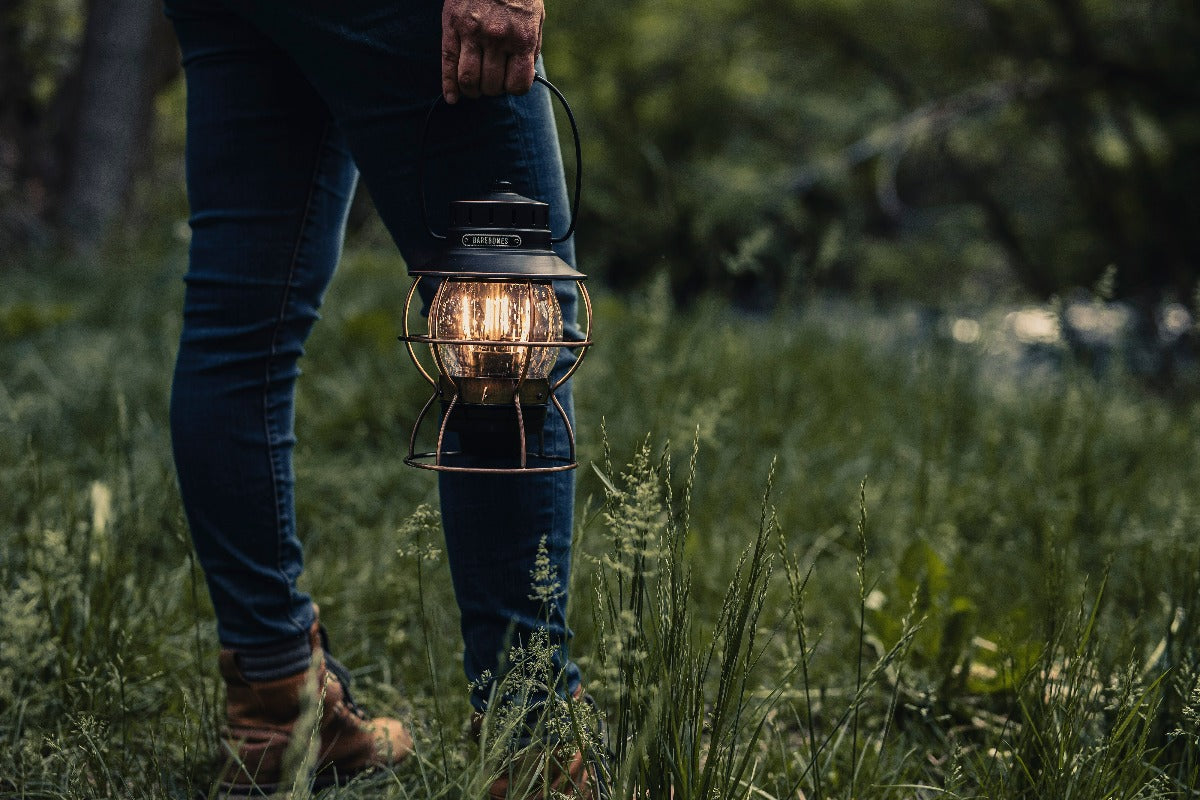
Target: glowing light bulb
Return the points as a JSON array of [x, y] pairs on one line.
[[496, 311]]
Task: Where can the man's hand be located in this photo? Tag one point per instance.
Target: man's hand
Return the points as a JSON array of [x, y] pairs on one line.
[[489, 46]]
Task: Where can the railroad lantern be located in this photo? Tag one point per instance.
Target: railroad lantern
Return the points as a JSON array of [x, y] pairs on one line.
[[495, 333]]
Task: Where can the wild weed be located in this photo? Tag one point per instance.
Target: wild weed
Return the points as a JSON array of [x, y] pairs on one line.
[[738, 644]]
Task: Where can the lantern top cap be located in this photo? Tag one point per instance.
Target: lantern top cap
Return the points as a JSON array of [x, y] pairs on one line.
[[500, 235], [500, 207]]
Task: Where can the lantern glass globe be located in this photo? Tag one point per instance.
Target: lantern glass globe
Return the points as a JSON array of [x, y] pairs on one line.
[[475, 311]]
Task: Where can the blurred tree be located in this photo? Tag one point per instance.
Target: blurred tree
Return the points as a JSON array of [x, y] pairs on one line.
[[31, 71], [921, 149], [77, 85]]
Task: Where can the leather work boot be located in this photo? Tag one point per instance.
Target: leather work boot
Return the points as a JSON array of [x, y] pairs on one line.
[[262, 716], [537, 771], [527, 774]]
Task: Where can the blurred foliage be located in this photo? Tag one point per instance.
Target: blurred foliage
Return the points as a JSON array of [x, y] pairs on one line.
[[770, 149], [78, 86], [50, 31], [927, 148]]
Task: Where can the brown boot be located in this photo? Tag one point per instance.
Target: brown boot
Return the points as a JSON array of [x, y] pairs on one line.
[[539, 771], [261, 718], [526, 776]]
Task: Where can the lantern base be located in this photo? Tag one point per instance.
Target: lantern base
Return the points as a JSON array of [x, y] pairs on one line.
[[497, 440], [475, 464], [493, 430]]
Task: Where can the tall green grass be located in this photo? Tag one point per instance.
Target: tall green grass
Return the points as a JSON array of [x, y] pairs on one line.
[[827, 554]]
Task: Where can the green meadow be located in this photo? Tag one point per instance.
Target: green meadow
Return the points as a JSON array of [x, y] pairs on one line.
[[832, 552]]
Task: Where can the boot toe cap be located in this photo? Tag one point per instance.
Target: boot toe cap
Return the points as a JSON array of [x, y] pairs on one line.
[[393, 742]]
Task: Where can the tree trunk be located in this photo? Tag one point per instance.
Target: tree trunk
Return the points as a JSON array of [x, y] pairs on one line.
[[102, 149], [20, 200]]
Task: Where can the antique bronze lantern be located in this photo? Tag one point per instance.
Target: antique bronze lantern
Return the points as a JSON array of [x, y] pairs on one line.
[[495, 332]]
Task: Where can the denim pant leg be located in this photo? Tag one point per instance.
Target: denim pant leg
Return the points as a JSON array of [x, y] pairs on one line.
[[269, 182], [495, 524], [375, 64]]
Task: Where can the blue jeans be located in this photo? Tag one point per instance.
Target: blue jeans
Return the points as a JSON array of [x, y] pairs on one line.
[[287, 101]]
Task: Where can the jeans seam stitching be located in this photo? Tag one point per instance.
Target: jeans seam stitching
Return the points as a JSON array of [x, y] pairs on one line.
[[305, 218], [533, 165]]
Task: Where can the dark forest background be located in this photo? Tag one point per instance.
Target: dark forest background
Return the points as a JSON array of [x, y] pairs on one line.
[[930, 150]]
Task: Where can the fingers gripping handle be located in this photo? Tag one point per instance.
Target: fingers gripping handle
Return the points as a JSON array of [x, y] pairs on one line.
[[578, 161]]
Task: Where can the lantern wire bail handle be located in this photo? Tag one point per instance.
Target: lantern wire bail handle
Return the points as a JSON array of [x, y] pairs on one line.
[[578, 161]]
